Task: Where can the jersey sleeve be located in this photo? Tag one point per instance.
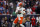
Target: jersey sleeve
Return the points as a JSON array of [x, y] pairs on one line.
[[16, 10]]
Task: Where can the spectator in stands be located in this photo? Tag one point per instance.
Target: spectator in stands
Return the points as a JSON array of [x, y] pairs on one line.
[[31, 3], [2, 22], [1, 9], [11, 18], [27, 21], [38, 10], [35, 5], [37, 1], [4, 2], [33, 10], [7, 11], [38, 20], [4, 12], [5, 18], [6, 22], [33, 21], [25, 3], [10, 21], [28, 4], [29, 10], [11, 7]]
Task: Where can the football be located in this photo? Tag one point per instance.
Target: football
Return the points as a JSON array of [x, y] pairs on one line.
[[19, 11]]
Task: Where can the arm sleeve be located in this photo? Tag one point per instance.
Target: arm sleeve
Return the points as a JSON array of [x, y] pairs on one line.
[[16, 10]]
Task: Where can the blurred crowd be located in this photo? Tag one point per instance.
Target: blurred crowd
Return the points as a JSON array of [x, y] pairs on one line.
[[28, 21], [9, 6], [31, 6], [6, 20], [2, 7]]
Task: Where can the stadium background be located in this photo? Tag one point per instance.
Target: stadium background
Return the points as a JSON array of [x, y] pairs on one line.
[[8, 7]]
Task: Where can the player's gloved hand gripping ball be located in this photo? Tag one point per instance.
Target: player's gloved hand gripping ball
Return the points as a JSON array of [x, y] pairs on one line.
[[19, 11]]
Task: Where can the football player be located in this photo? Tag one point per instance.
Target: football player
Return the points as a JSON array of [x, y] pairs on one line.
[[20, 11]]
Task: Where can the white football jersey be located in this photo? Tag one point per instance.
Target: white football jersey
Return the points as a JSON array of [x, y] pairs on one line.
[[22, 11], [29, 11]]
